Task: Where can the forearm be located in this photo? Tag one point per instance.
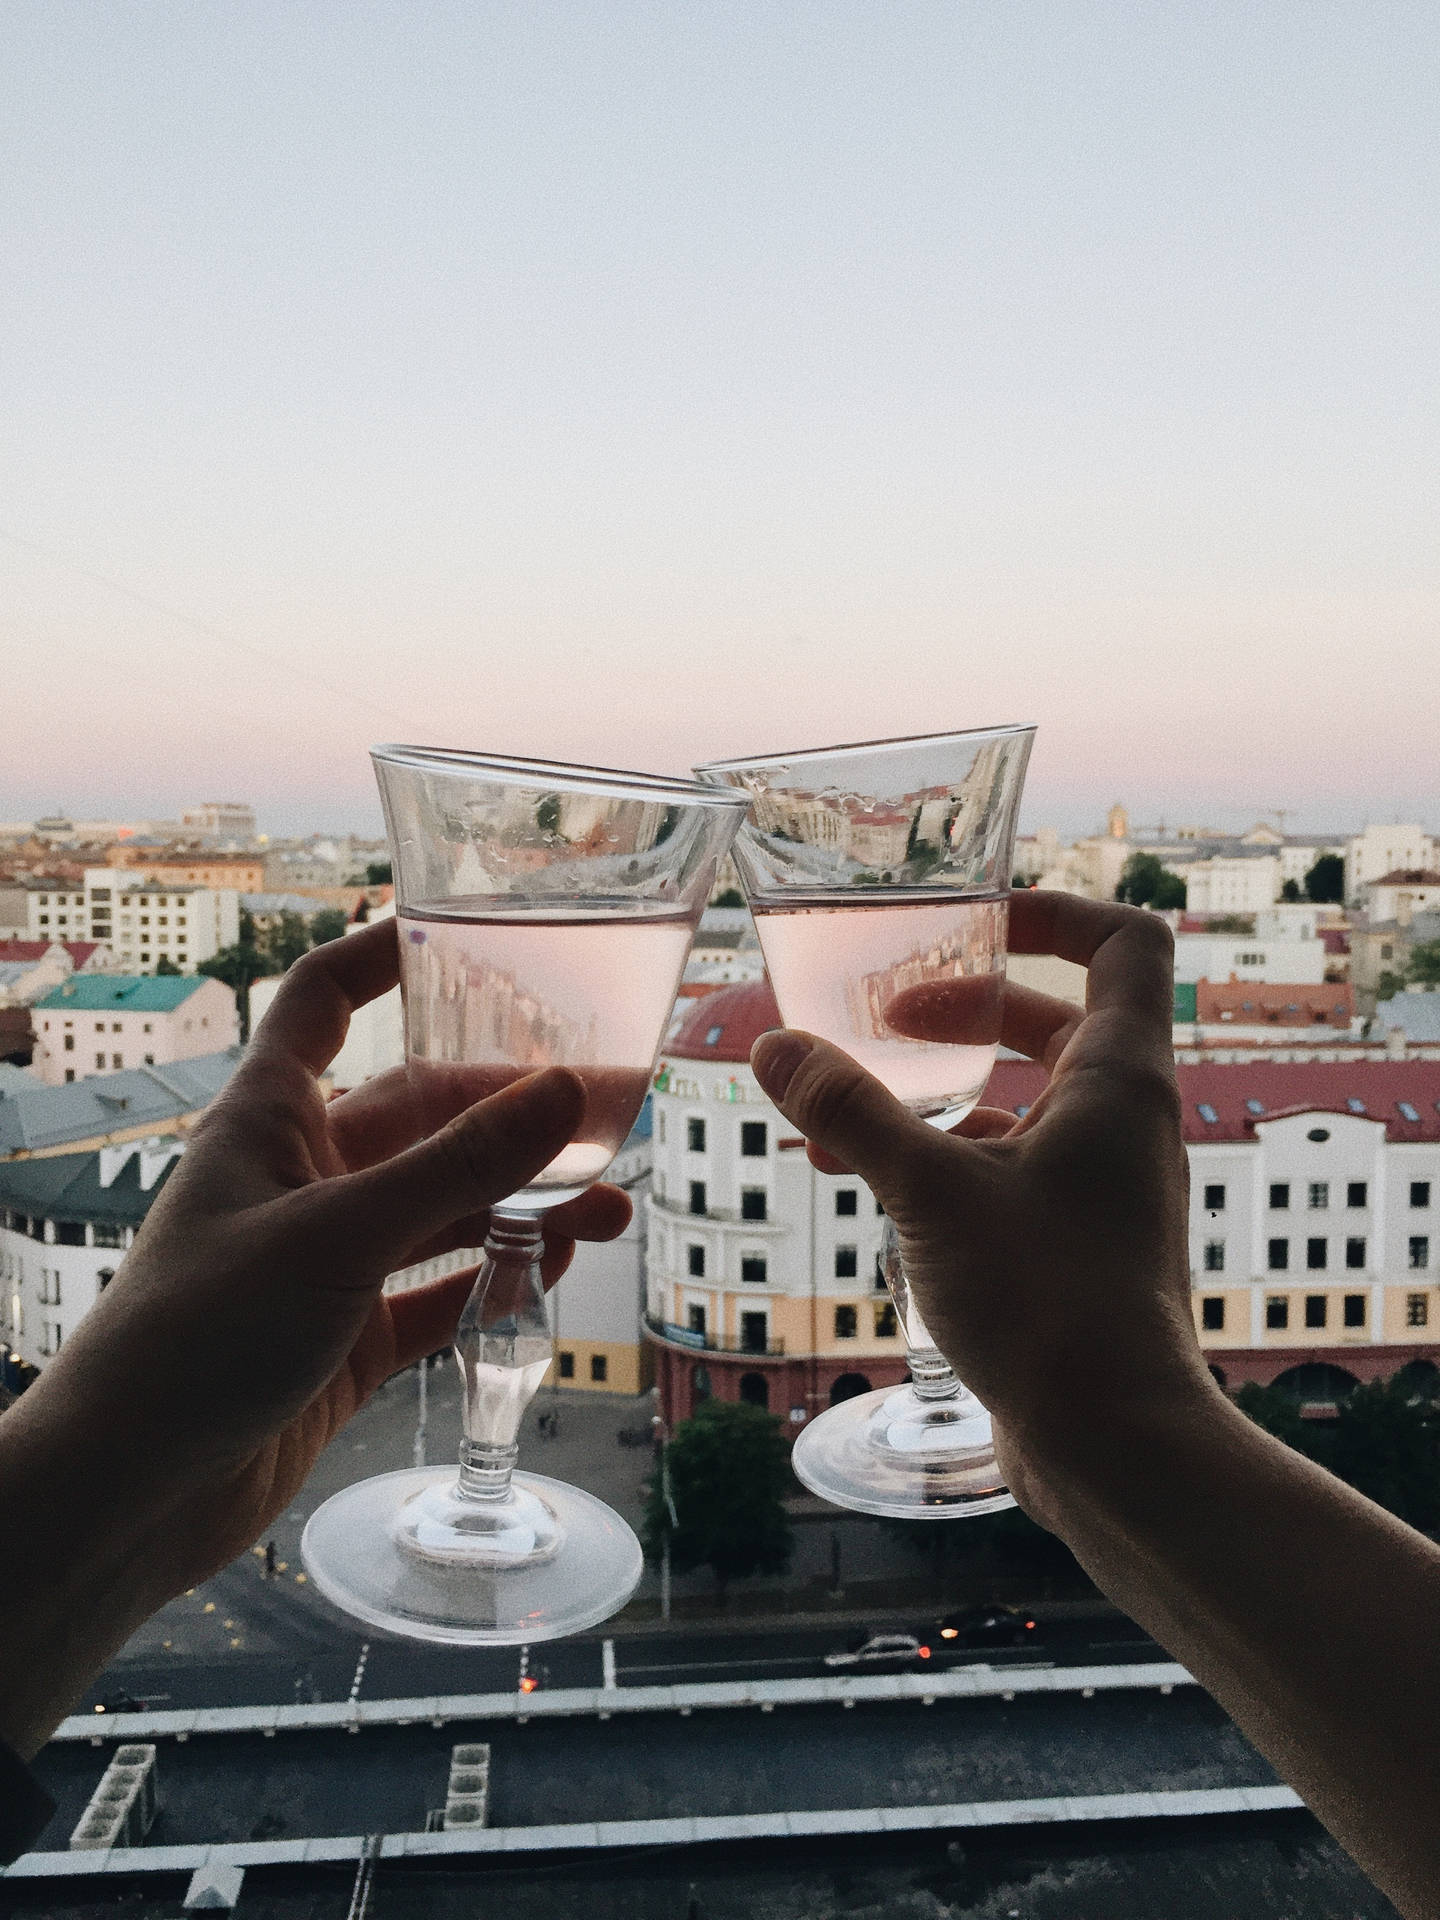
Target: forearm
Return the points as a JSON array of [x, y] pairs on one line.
[[1309, 1613]]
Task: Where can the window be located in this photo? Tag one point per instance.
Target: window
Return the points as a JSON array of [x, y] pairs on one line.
[[599, 1367], [697, 1196], [880, 1205], [1207, 1113], [69, 1043], [1214, 1256], [49, 1287], [1357, 1194], [1355, 1253], [886, 1325], [149, 1059], [1417, 1310], [104, 1277], [567, 1365], [117, 1061], [1407, 1111], [107, 1235], [753, 1269], [1279, 1256], [695, 1260], [752, 1203], [846, 1263], [695, 1136], [1277, 1313], [100, 1062], [1212, 1313], [50, 1336], [1354, 1309], [1419, 1193], [1419, 1250], [754, 1332], [846, 1323], [1257, 1107], [695, 1319], [1317, 1254], [1279, 1195], [753, 1139], [712, 1036], [1319, 1195], [1316, 1309], [1354, 1105], [1215, 1199], [69, 1075], [847, 1202]]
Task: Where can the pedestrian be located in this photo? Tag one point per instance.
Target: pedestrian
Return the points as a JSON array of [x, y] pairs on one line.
[[269, 1559]]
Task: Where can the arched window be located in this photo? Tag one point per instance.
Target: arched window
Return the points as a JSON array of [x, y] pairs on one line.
[[1316, 1383], [755, 1390], [847, 1386]]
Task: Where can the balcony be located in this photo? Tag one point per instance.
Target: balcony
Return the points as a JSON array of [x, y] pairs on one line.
[[691, 1342], [714, 1216]]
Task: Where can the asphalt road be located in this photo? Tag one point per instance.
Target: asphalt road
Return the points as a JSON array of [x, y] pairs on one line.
[[224, 1787]]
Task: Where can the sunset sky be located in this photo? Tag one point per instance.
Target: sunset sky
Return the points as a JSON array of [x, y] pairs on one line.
[[649, 382]]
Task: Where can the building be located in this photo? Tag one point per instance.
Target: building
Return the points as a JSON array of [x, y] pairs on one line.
[[103, 1023], [1263, 1010], [762, 1276], [1247, 882], [1384, 849], [30, 968], [141, 921], [1244, 956], [221, 819], [238, 872], [1411, 1018], [1380, 952], [1403, 893], [37, 1120], [65, 1223]]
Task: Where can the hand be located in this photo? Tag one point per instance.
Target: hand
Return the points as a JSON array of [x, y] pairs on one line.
[[247, 1324], [1049, 1254]]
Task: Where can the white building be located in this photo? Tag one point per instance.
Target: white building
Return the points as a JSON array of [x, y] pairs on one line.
[[1386, 849], [141, 921], [222, 820], [106, 1023], [1227, 956], [1400, 895], [1230, 883], [65, 1223]]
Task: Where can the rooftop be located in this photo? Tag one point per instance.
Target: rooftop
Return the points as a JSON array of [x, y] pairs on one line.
[[725, 1025], [121, 993], [38, 1118], [72, 1187], [1407, 877]]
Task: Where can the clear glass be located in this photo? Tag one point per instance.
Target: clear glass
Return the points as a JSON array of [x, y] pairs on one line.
[[879, 878], [545, 914]]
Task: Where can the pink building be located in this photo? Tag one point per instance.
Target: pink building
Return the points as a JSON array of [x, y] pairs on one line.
[[103, 1023]]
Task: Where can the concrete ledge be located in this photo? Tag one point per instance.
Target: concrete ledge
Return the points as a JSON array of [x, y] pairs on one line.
[[592, 1836], [954, 1683]]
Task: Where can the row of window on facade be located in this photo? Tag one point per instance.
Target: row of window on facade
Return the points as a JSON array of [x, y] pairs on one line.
[[1357, 1194], [755, 1268], [65, 1233], [599, 1366], [1354, 1310], [755, 1202], [1317, 1254], [755, 1327]]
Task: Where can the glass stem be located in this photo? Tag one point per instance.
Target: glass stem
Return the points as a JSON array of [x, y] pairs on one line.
[[931, 1373], [503, 1349]]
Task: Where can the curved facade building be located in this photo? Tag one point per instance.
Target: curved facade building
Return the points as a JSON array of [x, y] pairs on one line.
[[762, 1282]]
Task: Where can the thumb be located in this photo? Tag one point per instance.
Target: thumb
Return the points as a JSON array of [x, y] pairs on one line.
[[484, 1154], [844, 1110]]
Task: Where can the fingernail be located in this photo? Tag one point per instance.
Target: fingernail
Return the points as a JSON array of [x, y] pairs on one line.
[[775, 1056]]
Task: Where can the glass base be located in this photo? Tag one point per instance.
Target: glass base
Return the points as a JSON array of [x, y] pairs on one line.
[[892, 1453], [402, 1553]]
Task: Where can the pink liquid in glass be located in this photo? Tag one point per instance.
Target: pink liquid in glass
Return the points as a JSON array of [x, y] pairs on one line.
[[911, 988], [491, 996]]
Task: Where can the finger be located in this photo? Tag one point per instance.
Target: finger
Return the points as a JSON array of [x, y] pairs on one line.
[[824, 1162], [488, 1153], [844, 1110], [308, 1017], [1037, 1024], [600, 1213], [986, 1123], [378, 1118], [423, 1319], [1128, 954]]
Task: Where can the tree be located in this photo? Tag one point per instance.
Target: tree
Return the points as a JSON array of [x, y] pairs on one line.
[[1384, 1441], [729, 1474], [1145, 883], [166, 965], [329, 924], [1325, 882], [1290, 892], [238, 966], [1277, 1413], [378, 874], [1424, 968], [729, 897], [286, 939]]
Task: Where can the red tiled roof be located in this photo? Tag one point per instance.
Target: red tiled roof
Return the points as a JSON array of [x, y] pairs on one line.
[[1279, 1087], [1264, 1002], [80, 951], [1407, 877], [737, 1016], [30, 950]]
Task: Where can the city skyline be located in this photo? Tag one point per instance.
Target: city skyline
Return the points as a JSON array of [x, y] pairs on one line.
[[743, 380]]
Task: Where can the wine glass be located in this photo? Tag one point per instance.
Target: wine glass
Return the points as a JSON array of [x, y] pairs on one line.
[[544, 917], [879, 879]]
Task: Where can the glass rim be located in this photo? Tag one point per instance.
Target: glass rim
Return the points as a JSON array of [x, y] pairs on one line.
[[757, 762], [573, 776]]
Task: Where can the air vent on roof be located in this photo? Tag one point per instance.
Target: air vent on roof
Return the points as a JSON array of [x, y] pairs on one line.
[[1207, 1113], [712, 1038], [1407, 1112], [1355, 1106], [1255, 1106]]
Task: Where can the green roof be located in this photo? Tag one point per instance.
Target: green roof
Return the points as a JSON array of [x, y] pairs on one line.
[[127, 992], [1185, 1014]]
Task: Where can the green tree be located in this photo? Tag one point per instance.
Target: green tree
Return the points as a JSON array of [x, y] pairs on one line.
[[1277, 1413], [378, 874], [729, 1474], [547, 814], [1386, 1444], [1145, 883], [238, 966], [166, 965], [1424, 967], [1290, 892], [729, 897], [1325, 882], [286, 939], [329, 924]]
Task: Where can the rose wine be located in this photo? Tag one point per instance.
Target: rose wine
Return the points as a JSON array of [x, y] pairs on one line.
[[491, 995], [910, 988]]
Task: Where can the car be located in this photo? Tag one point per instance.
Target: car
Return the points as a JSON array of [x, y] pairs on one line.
[[995, 1626], [879, 1650]]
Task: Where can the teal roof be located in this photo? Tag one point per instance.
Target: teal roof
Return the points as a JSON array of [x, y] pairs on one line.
[[127, 992]]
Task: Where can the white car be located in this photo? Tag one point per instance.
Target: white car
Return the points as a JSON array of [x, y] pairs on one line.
[[879, 1650]]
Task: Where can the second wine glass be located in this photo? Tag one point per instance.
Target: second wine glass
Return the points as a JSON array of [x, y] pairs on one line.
[[879, 878]]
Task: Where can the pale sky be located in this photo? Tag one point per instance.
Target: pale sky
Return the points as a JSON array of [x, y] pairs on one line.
[[647, 382]]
